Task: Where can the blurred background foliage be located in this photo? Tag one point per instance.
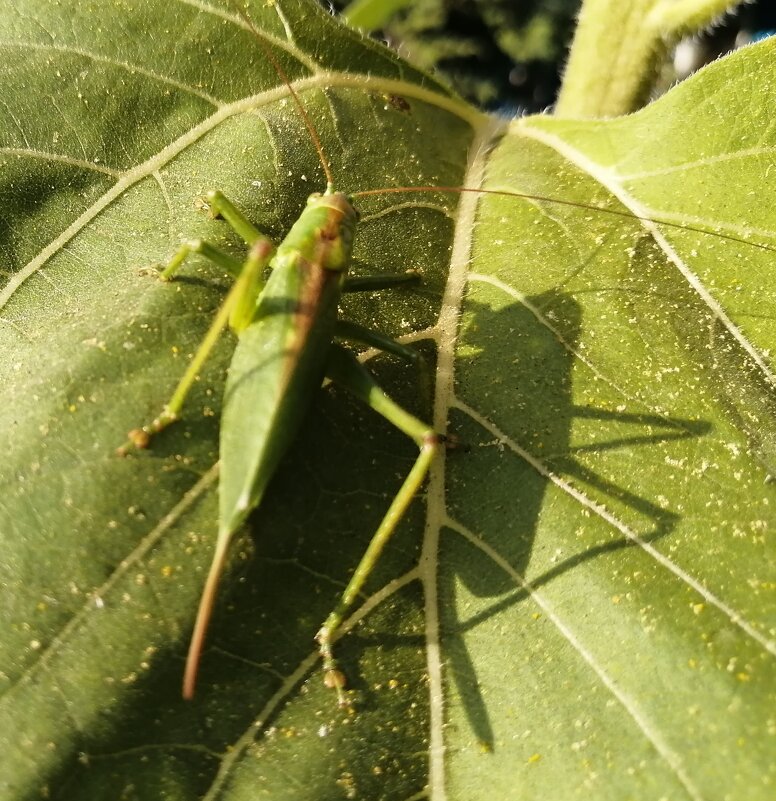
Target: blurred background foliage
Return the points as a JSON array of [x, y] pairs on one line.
[[508, 55]]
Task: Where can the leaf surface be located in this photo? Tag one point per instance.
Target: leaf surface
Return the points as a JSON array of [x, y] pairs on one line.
[[582, 603]]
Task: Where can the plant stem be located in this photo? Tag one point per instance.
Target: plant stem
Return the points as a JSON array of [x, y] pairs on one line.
[[618, 48]]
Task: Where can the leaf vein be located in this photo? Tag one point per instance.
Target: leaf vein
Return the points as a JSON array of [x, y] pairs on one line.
[[735, 617], [606, 179], [631, 707]]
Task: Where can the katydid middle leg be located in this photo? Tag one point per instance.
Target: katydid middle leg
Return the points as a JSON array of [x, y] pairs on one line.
[[372, 283], [368, 336], [343, 368]]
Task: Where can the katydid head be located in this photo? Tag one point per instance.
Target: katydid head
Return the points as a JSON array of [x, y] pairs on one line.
[[325, 229]]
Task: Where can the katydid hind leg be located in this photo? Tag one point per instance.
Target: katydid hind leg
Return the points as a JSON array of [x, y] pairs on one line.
[[343, 368], [375, 339], [346, 329], [242, 295]]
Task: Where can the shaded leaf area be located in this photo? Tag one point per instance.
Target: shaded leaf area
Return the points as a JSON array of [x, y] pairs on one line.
[[614, 411]]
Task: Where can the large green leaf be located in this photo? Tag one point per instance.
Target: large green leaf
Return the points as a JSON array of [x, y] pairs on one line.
[[582, 604]]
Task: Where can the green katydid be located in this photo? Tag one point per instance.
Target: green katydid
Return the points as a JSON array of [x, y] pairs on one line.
[[286, 328]]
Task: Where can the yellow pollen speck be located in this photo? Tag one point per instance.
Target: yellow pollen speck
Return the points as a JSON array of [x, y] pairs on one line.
[[166, 571], [534, 758]]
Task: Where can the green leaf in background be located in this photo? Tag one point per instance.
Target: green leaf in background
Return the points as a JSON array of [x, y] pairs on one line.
[[582, 603], [373, 14]]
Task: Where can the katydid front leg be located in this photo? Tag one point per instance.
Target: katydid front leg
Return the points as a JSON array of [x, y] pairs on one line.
[[344, 369]]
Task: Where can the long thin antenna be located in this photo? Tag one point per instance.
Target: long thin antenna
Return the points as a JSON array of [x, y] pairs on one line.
[[393, 190], [287, 81]]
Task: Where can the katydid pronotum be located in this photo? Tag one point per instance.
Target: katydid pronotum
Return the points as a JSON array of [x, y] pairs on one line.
[[286, 328]]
